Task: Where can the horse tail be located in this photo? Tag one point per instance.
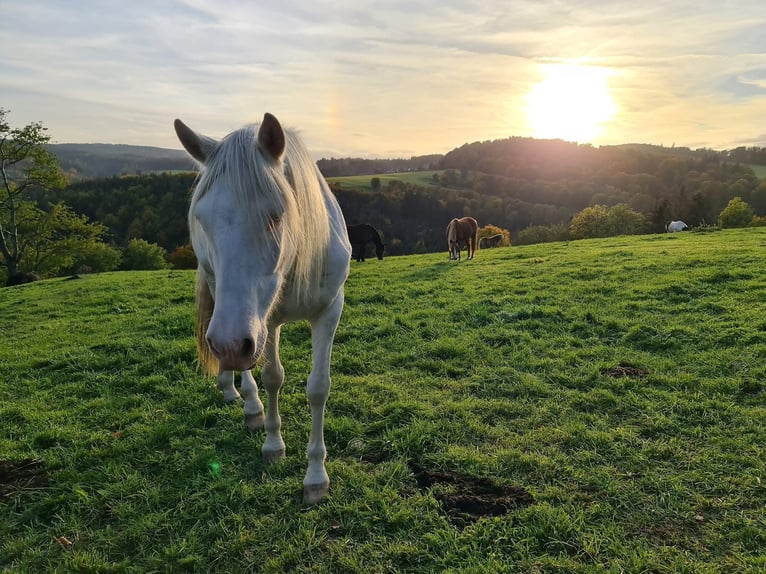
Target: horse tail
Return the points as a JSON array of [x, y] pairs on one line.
[[475, 237], [376, 237], [204, 306]]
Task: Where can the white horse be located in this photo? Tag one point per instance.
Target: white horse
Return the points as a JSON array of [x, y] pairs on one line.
[[674, 226], [272, 247]]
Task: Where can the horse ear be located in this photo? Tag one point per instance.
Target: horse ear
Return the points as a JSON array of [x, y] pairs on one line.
[[198, 146], [271, 136]]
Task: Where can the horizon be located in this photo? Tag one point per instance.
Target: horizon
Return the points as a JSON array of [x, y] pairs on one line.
[[390, 81]]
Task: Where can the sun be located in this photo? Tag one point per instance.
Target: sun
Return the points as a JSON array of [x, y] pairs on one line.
[[572, 103]]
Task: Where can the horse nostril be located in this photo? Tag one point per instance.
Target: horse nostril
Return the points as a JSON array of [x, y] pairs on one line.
[[248, 347]]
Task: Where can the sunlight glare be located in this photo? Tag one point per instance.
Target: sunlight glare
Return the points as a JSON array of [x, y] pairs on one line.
[[572, 103]]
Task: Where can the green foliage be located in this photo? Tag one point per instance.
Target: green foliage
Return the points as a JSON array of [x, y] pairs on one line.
[[142, 255], [43, 237], [603, 221], [619, 382], [543, 234], [737, 213], [183, 258]]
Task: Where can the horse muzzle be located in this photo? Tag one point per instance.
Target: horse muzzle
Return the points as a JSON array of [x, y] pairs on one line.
[[237, 353]]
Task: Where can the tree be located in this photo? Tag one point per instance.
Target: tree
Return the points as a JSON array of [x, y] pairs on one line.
[[59, 240], [142, 255], [25, 166], [603, 221], [375, 184], [736, 214]]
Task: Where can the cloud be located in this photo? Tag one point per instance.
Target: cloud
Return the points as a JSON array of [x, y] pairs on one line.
[[420, 76]]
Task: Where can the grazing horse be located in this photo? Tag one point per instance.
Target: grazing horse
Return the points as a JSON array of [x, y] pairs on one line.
[[674, 226], [271, 244], [492, 241], [461, 232], [362, 234]]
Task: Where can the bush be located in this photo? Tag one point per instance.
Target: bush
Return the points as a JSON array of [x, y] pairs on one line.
[[142, 255], [543, 234], [736, 214], [183, 258], [603, 221]]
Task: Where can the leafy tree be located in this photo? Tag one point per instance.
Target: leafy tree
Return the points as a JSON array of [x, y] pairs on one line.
[[736, 214], [59, 241], [375, 184], [590, 222], [603, 221], [25, 165], [142, 255]]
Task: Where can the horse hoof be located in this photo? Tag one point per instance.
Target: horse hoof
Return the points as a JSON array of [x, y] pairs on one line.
[[254, 422], [230, 396], [273, 455], [313, 493]]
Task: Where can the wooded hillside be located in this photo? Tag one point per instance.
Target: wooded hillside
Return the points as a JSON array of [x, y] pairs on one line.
[[513, 183]]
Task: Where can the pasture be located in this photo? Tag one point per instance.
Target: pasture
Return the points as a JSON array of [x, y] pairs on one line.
[[363, 182], [759, 170], [592, 406]]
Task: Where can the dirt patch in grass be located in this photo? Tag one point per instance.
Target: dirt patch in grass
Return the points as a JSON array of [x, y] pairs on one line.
[[622, 371], [18, 475], [465, 498]]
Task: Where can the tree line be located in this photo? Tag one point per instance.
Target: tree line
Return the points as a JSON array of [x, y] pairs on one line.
[[532, 190]]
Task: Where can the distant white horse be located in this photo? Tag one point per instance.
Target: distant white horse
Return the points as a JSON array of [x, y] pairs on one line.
[[272, 247], [674, 226]]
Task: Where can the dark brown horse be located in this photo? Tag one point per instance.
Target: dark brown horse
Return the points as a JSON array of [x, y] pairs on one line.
[[359, 236], [461, 232], [493, 241]]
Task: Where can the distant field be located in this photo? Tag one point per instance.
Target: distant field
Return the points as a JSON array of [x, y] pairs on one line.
[[760, 170], [424, 178], [586, 407]]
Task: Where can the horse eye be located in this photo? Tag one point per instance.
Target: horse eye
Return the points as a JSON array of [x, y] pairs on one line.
[[275, 220]]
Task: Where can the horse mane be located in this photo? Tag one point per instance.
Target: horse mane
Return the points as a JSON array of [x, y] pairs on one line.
[[292, 187], [204, 312]]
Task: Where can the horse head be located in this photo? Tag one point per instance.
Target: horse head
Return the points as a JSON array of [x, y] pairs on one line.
[[237, 218]]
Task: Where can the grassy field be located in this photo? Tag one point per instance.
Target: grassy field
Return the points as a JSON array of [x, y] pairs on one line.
[[760, 171], [596, 406], [424, 178]]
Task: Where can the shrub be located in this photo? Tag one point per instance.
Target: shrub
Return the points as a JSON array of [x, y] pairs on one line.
[[736, 214], [140, 255]]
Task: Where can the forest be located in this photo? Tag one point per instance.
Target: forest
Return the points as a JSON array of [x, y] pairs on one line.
[[514, 184]]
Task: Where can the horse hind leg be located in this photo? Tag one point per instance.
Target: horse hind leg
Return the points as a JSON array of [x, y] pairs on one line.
[[316, 483]]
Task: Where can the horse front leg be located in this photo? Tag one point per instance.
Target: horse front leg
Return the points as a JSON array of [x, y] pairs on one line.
[[254, 419], [316, 484], [225, 383], [272, 375]]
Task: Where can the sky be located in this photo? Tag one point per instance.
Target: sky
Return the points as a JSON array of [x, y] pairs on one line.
[[389, 78]]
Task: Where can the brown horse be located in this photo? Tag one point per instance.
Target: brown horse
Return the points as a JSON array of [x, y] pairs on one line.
[[493, 241], [461, 232]]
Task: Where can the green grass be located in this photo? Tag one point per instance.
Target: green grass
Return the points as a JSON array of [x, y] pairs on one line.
[[423, 178], [620, 383], [759, 170]]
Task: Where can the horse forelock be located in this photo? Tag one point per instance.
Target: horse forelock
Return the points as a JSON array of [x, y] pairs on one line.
[[264, 186]]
